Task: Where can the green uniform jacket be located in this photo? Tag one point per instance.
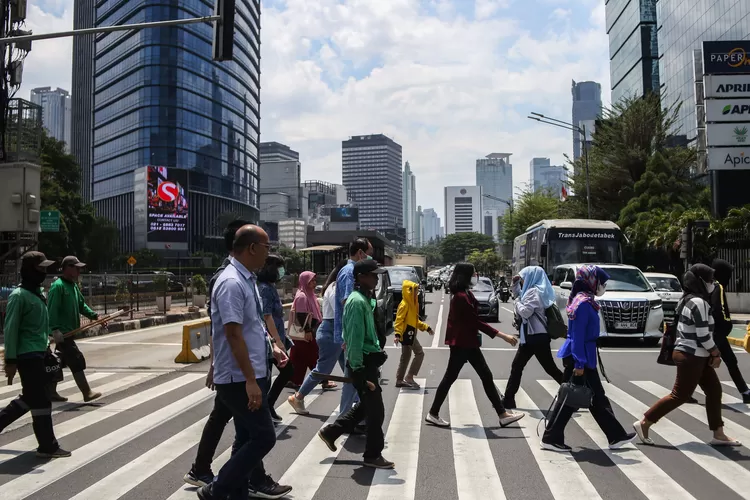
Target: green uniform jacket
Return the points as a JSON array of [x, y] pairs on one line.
[[26, 325], [360, 335], [65, 304]]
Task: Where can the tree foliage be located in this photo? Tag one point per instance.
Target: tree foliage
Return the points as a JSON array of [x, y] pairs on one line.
[[457, 247], [530, 208], [487, 262], [294, 262], [432, 251]]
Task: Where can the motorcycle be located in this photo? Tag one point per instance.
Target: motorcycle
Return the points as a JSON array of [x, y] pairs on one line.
[[505, 294]]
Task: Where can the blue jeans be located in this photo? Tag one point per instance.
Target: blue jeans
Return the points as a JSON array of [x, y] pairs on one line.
[[255, 437], [329, 352]]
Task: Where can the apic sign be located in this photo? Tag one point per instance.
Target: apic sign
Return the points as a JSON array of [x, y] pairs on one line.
[[728, 134], [731, 57], [728, 158], [724, 86], [728, 110]]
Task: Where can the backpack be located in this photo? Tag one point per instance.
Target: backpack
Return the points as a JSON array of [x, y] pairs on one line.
[[556, 327]]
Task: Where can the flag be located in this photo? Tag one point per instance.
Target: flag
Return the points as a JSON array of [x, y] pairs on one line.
[[564, 194]]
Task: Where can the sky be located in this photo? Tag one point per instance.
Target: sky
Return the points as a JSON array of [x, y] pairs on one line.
[[449, 80]]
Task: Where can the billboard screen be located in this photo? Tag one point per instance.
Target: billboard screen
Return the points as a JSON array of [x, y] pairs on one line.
[[345, 214], [167, 212], [726, 57]]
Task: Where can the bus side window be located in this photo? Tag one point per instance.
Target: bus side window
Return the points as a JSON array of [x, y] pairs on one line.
[[558, 276], [571, 276]]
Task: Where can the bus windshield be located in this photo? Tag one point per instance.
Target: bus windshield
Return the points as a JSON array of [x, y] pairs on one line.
[[575, 251]]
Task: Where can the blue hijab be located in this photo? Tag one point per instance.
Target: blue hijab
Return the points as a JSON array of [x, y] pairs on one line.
[[535, 277]]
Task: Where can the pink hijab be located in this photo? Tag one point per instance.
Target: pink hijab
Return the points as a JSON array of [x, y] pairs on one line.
[[305, 300]]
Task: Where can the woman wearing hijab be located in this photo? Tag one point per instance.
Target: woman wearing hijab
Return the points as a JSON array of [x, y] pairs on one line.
[[308, 316], [696, 356], [579, 358], [535, 295]]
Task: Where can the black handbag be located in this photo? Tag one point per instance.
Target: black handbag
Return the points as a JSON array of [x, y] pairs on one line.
[[408, 336], [575, 395], [668, 341], [52, 367]]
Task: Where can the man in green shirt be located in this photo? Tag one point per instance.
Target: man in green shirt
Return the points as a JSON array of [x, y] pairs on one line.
[[364, 357], [65, 304], [26, 342]]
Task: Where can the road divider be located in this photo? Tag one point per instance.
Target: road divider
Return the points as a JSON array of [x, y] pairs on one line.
[[743, 342]]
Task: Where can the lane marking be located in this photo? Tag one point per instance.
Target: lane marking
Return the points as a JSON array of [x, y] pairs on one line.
[[67, 385], [140, 343], [438, 329]]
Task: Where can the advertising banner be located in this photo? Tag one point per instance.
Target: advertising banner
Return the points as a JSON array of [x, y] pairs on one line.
[[167, 211], [729, 158], [727, 110], [728, 134], [725, 86], [726, 57], [345, 214]]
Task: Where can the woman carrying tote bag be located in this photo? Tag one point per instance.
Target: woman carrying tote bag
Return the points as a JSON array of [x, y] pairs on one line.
[[304, 319]]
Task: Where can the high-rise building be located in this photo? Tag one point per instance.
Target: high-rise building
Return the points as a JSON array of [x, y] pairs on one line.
[[56, 108], [432, 228], [495, 174], [82, 112], [633, 48], [159, 99], [371, 172], [546, 177], [275, 151], [419, 227], [281, 172], [491, 223], [410, 205], [463, 209], [587, 107], [683, 26]]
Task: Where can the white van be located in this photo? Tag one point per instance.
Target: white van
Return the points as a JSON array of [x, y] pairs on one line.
[[668, 287], [630, 308]]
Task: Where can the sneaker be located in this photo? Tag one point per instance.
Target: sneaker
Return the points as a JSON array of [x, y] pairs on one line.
[[298, 405], [515, 416], [91, 395], [378, 463], [436, 420], [56, 398], [269, 489], [616, 445], [746, 398], [206, 492], [328, 440], [275, 416], [509, 404], [58, 453], [559, 447], [195, 479]]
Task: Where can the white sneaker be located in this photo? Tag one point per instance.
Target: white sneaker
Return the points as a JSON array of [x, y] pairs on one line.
[[515, 416], [435, 420], [297, 404]]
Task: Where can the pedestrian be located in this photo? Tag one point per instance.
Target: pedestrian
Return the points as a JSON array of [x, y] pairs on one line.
[[329, 351], [405, 332], [723, 325], [579, 354], [464, 341], [66, 304], [534, 296], [242, 371], [696, 357], [364, 357], [27, 332], [307, 316], [359, 249]]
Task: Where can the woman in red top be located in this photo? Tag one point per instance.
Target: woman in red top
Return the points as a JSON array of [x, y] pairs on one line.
[[462, 335]]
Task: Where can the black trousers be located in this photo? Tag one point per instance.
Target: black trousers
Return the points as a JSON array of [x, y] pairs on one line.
[[601, 409], [534, 347], [730, 360], [458, 358], [212, 431], [33, 398], [285, 375], [371, 410]]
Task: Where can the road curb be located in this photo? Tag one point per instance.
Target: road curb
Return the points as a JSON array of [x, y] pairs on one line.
[[741, 321]]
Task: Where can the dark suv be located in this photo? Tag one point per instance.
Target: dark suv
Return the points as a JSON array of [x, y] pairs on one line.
[[397, 275]]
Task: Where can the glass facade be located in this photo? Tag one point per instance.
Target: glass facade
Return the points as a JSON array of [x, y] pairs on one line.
[[159, 99], [495, 174], [683, 26], [633, 48], [587, 107]]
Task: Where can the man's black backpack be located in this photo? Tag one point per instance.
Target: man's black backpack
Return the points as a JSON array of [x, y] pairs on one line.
[[556, 327]]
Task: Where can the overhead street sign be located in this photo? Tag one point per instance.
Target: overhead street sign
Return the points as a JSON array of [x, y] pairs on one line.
[[49, 221]]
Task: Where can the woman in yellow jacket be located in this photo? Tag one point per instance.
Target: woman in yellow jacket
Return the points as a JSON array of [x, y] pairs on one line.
[[405, 327]]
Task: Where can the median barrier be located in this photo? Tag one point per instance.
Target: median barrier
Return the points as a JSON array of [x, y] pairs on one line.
[[743, 342]]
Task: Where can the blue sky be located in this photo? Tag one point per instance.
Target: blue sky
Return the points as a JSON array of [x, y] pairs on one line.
[[450, 80]]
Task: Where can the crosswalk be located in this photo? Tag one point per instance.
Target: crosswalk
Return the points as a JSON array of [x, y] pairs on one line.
[[141, 438]]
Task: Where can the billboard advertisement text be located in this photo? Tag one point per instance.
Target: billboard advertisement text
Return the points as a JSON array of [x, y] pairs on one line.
[[167, 205]]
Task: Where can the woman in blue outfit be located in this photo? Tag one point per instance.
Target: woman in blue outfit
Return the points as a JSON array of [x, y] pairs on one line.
[[579, 358]]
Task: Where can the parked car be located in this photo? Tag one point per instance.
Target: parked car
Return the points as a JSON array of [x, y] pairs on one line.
[[397, 275], [484, 292], [386, 307], [668, 287], [630, 308]]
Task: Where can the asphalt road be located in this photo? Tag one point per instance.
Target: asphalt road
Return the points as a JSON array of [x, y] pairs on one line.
[[138, 441]]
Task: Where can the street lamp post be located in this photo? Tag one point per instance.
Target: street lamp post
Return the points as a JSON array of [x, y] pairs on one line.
[[575, 128]]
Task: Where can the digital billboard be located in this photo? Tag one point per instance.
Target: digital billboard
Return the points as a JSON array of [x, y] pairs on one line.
[[344, 214], [167, 209]]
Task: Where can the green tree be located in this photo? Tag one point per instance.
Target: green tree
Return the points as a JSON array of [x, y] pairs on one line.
[[431, 251], [102, 243], [456, 247], [294, 263], [487, 262], [530, 208]]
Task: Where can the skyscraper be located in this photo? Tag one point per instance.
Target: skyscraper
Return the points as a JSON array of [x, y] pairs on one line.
[[463, 209], [495, 174], [82, 112], [633, 48], [431, 225], [159, 99], [55, 112], [371, 172], [275, 151], [410, 204], [419, 227], [546, 177], [587, 107]]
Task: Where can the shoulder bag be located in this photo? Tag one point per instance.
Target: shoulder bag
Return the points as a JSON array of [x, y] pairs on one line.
[[293, 330]]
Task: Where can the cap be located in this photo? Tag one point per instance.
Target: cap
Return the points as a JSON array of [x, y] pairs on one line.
[[367, 266], [35, 259], [72, 260]]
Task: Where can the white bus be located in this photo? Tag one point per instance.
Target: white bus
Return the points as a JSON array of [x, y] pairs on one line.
[[550, 243]]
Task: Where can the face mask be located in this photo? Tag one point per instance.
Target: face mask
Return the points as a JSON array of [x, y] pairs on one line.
[[710, 287], [474, 281], [517, 289], [33, 277], [282, 272], [369, 257], [600, 290]]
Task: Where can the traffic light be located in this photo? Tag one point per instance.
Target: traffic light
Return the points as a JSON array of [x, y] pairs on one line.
[[223, 30]]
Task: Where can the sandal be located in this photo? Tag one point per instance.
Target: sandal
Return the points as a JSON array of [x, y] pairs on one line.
[[638, 428], [721, 442], [329, 386], [412, 385]]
